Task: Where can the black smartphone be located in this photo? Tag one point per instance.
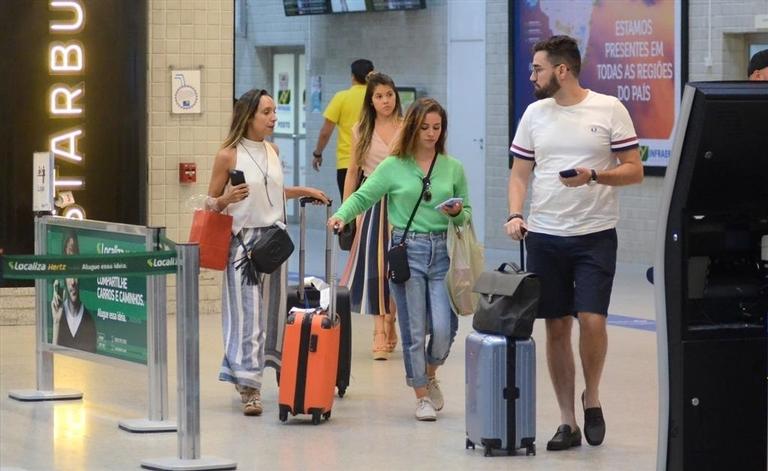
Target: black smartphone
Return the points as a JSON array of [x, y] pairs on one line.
[[58, 289], [570, 173], [236, 177]]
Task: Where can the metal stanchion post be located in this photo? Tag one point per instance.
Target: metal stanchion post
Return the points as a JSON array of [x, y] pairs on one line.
[[188, 370], [157, 352], [44, 358]]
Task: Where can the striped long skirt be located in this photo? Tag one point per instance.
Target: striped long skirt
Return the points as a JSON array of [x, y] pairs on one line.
[[366, 272], [253, 317]]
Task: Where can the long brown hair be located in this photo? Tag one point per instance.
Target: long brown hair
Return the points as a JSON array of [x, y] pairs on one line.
[[414, 118], [368, 114], [242, 113]]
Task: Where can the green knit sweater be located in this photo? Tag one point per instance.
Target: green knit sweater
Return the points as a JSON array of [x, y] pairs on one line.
[[400, 179]]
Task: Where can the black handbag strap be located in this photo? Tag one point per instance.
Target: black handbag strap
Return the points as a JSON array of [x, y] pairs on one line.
[[418, 202]]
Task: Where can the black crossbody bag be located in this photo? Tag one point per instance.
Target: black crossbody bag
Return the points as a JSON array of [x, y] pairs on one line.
[[399, 270]]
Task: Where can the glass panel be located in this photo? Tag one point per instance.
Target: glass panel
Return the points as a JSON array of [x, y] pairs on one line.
[[287, 156]]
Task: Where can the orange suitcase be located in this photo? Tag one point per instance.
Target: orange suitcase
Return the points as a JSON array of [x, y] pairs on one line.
[[311, 342], [310, 360]]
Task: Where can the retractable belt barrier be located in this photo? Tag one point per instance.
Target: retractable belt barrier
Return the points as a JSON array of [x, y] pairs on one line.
[[116, 267], [31, 267]]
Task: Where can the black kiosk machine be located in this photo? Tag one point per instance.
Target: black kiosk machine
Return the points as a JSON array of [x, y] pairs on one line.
[[711, 282]]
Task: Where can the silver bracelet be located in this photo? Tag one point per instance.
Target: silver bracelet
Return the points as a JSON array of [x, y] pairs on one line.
[[210, 203]]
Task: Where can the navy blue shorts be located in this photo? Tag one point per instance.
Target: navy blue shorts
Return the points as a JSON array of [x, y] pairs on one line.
[[576, 272]]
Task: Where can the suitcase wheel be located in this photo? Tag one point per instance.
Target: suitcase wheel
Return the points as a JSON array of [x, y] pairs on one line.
[[469, 444], [530, 450], [488, 451], [315, 417], [327, 415], [283, 413], [342, 391]]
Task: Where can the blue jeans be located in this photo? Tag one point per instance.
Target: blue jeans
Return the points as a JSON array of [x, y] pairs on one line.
[[423, 306]]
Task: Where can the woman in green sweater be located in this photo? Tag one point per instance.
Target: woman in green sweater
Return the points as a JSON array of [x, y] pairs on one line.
[[427, 323]]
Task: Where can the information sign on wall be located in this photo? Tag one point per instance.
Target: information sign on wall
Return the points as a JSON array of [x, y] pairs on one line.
[[185, 92], [283, 87], [631, 49]]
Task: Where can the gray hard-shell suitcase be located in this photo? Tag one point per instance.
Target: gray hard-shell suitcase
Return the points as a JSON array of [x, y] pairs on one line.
[[500, 393]]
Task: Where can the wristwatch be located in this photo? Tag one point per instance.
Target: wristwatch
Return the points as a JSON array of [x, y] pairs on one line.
[[317, 155], [593, 179], [514, 216]]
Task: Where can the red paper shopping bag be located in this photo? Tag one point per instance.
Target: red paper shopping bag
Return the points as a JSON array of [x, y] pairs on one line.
[[213, 232]]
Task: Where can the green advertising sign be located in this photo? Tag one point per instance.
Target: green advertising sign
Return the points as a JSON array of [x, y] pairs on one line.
[[35, 267], [105, 314]]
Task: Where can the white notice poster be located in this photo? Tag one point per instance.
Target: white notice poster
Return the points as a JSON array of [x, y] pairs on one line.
[[185, 91]]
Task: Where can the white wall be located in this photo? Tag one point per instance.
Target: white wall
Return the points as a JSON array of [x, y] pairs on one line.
[[187, 34]]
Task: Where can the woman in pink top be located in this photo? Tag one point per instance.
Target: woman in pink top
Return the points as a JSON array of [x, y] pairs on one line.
[[366, 272]]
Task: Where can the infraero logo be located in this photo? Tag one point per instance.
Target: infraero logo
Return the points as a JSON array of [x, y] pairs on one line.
[[643, 153]]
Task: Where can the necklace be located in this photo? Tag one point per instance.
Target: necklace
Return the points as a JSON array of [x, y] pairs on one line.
[[266, 190]]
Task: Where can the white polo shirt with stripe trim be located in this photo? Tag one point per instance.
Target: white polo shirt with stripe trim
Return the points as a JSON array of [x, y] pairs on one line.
[[563, 137]]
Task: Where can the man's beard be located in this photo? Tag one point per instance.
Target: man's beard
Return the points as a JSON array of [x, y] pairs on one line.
[[548, 90]]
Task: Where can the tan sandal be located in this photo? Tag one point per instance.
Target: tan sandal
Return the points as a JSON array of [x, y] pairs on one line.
[[390, 329], [379, 339]]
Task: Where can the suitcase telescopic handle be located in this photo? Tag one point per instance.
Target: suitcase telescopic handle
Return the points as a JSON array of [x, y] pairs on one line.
[[512, 265], [331, 267], [303, 238], [310, 199]]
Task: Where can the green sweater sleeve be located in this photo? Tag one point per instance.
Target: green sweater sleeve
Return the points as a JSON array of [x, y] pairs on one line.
[[460, 190], [401, 180], [372, 190]]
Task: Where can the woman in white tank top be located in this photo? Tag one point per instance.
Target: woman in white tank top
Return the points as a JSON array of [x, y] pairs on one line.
[[252, 315]]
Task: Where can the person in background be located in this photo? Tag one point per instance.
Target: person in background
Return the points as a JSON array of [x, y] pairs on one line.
[[366, 272], [427, 323], [343, 111], [570, 233], [758, 66], [252, 315]]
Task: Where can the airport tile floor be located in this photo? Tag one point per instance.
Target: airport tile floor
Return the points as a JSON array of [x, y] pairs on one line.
[[372, 427]]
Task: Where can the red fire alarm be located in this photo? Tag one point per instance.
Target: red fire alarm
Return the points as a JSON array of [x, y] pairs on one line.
[[187, 172]]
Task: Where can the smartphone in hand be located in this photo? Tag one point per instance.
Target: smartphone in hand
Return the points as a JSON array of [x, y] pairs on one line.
[[570, 173], [449, 202], [236, 177], [58, 289]]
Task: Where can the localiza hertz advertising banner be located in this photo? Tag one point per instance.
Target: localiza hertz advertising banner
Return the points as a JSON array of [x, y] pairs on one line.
[[107, 314], [630, 49]]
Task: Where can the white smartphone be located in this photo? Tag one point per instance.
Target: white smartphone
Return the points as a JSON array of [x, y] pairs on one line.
[[449, 202]]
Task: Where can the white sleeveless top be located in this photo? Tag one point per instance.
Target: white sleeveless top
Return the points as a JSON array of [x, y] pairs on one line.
[[257, 160]]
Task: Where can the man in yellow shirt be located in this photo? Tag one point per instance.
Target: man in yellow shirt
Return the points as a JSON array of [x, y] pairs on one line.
[[343, 111]]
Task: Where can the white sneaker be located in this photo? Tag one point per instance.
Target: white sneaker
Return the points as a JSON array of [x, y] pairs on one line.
[[425, 410], [433, 389]]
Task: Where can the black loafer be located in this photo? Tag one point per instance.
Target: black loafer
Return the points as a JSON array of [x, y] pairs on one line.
[[594, 424], [564, 438]]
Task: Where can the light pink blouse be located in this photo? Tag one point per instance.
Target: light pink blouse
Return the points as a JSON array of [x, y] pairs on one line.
[[378, 151]]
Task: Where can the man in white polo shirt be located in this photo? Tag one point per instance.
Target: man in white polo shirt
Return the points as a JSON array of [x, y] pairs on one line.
[[570, 232]]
